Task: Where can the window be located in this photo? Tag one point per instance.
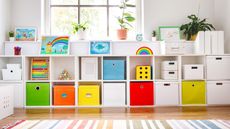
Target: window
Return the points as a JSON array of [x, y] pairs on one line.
[[101, 15]]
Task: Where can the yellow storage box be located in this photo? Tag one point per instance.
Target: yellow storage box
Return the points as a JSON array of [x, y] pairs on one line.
[[89, 95], [193, 92], [143, 73]]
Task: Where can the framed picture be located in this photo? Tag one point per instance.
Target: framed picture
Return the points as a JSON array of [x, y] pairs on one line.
[[169, 33], [25, 33], [55, 45], [100, 48]]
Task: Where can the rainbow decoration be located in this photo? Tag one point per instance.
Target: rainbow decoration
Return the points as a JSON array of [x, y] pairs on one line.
[[39, 69], [144, 51], [55, 45]]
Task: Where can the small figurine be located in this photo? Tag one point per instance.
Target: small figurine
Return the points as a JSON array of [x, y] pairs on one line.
[[65, 75]]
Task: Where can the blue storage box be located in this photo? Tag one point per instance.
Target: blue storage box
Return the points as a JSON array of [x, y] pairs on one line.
[[114, 70]]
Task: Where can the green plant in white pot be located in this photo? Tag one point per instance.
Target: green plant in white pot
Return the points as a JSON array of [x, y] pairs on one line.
[[81, 30], [124, 20], [11, 36]]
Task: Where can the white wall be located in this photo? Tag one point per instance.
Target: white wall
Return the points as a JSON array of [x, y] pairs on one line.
[[26, 13], [5, 14], [173, 13]]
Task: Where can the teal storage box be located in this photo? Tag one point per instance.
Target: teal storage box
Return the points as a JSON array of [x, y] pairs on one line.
[[114, 69], [38, 94]]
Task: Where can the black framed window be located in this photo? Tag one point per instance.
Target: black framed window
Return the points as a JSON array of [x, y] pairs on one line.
[[101, 15]]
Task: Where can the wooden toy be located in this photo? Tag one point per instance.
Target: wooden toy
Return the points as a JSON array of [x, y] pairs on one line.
[[143, 73], [65, 75], [40, 69]]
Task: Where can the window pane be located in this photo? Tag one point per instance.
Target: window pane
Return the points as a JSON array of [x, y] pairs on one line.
[[93, 2], [62, 19], [64, 2], [114, 25], [97, 18], [118, 2]]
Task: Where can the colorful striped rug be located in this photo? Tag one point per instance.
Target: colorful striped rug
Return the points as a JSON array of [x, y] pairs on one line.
[[120, 124]]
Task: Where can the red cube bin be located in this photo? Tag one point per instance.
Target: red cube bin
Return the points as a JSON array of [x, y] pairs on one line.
[[63, 95], [141, 93]]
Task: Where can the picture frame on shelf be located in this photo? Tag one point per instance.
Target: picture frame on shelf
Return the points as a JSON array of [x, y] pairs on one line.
[[100, 48], [55, 45], [25, 34], [169, 33]]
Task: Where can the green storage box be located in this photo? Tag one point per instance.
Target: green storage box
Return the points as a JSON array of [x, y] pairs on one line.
[[38, 94], [193, 92]]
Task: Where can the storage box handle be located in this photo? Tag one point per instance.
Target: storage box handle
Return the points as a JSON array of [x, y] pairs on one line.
[[64, 95], [88, 95], [171, 72], [141, 87], [219, 84], [37, 88], [194, 67], [166, 84], [218, 58], [171, 63], [11, 71]]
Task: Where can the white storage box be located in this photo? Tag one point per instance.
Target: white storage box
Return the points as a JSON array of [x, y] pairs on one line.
[[177, 48], [13, 66], [89, 68], [218, 92], [114, 94], [169, 65], [6, 101], [193, 72], [167, 94], [10, 74], [218, 67], [169, 75]]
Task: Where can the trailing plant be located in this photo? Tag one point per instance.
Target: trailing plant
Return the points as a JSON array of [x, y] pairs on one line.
[[11, 34], [195, 25], [126, 17], [82, 26]]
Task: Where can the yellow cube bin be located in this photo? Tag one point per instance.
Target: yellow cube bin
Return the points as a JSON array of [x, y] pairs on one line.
[[89, 95], [143, 73], [193, 92]]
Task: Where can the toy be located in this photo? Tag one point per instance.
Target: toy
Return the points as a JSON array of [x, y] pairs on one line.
[[65, 76], [143, 72], [40, 69], [144, 51]]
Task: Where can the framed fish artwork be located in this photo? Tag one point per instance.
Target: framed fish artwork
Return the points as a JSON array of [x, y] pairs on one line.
[[100, 48]]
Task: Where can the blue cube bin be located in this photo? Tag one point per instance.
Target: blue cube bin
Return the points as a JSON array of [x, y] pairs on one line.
[[114, 70]]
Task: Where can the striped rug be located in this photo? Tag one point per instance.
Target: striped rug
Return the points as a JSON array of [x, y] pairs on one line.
[[120, 124]]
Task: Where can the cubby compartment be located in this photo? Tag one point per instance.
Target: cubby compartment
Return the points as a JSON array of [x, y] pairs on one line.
[[141, 93], [89, 94], [141, 68], [114, 94], [11, 67], [37, 94], [193, 92], [114, 68], [167, 93], [37, 68], [63, 94], [218, 67], [218, 92], [63, 68], [90, 68], [166, 68], [193, 67]]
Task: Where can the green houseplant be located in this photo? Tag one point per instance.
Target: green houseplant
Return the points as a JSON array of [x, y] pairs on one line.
[[80, 30], [154, 34], [11, 36], [124, 20], [195, 25]]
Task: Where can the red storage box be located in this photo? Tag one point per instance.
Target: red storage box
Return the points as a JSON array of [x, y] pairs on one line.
[[64, 95], [141, 93]]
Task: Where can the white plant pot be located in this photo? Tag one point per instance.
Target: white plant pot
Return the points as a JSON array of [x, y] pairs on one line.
[[12, 39], [82, 35], [154, 39]]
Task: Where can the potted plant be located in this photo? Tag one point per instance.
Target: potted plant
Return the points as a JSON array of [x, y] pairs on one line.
[[11, 36], [80, 30], [154, 34], [124, 20], [195, 25]]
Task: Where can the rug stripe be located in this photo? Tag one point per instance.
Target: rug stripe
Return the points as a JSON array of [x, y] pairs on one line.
[[218, 124], [100, 125], [199, 121], [148, 125], [17, 123], [228, 126], [105, 124], [210, 124], [95, 124], [127, 124], [144, 125], [199, 124], [110, 124], [175, 123], [165, 124], [83, 124], [26, 124], [45, 124], [159, 124], [64, 124], [78, 124], [193, 124], [226, 122], [151, 124], [35, 124], [131, 124], [188, 124], [72, 124], [155, 124], [137, 124]]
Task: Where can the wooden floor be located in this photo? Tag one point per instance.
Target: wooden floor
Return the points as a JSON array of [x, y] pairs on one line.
[[161, 113]]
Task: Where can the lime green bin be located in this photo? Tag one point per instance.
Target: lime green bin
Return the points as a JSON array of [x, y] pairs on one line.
[[37, 94], [193, 92]]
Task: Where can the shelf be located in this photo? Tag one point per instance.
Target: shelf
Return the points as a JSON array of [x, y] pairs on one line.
[[89, 80], [161, 80], [141, 80], [114, 80], [2, 81], [62, 80], [38, 81]]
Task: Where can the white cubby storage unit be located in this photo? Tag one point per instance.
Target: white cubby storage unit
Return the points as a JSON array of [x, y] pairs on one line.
[[89, 70]]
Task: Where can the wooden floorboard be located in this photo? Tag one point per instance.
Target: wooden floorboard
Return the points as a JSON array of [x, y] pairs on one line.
[[160, 113]]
